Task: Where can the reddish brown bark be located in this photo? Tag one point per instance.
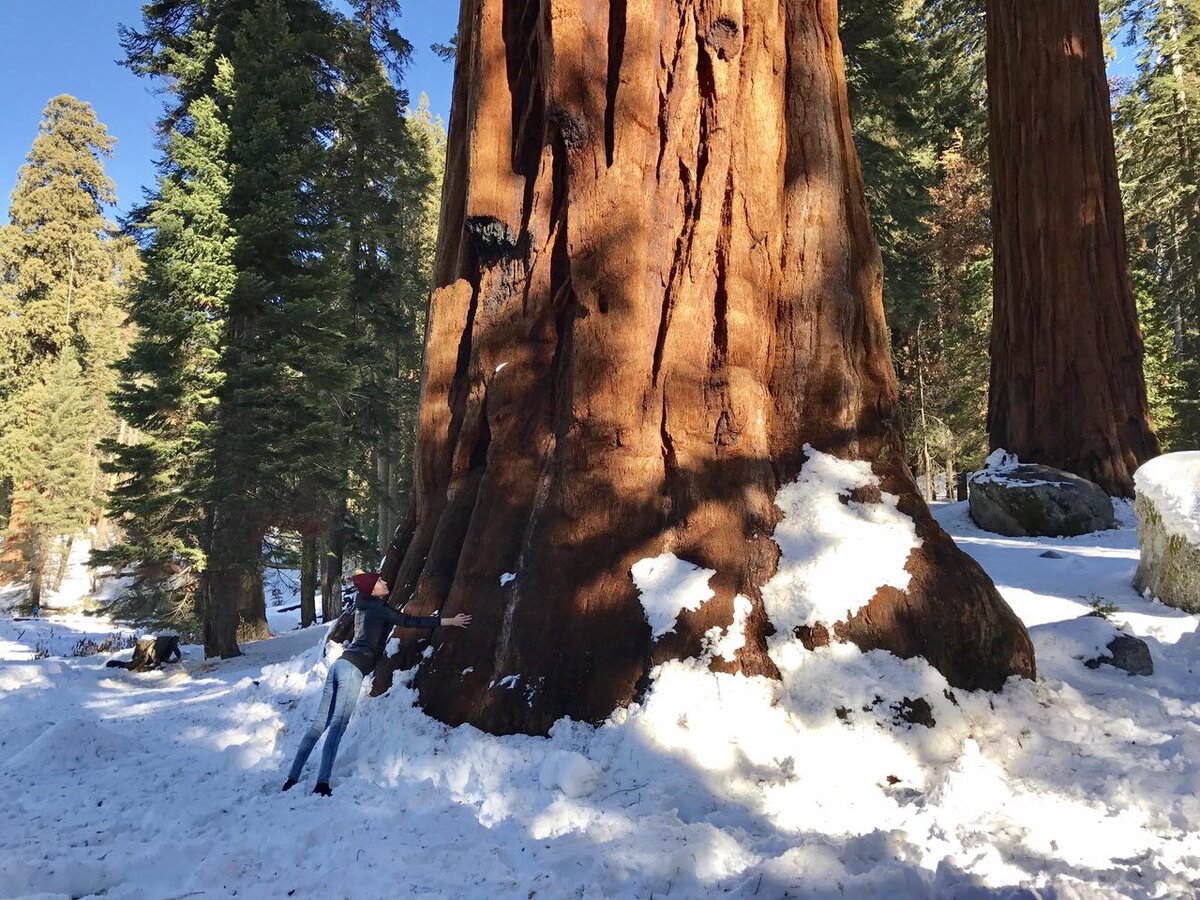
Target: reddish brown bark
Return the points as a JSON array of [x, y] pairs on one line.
[[1067, 386], [655, 282]]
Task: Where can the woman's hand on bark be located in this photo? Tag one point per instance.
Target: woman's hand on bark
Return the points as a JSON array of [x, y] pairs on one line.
[[462, 620]]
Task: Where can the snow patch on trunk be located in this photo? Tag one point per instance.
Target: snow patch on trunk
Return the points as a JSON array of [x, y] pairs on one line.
[[836, 552], [668, 586]]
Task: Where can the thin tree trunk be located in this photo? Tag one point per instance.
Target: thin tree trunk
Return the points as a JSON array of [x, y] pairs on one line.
[[37, 568], [926, 459], [64, 563], [319, 572], [655, 284], [383, 504], [951, 475], [308, 580], [1067, 387], [104, 538]]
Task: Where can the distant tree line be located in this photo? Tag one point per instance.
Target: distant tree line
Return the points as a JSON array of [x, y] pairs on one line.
[[248, 350]]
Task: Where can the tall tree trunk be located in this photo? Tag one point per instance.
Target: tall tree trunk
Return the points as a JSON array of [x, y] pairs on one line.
[[232, 584], [331, 584], [308, 580], [383, 475], [655, 284], [1067, 387], [926, 458], [252, 606]]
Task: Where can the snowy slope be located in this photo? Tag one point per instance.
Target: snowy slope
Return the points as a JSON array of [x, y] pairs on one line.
[[1080, 786]]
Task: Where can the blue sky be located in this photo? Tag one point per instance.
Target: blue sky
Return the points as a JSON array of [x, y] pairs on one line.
[[74, 51]]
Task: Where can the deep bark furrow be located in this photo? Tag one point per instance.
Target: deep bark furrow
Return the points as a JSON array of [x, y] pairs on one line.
[[616, 54]]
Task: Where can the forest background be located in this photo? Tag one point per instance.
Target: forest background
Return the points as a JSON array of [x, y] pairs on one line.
[[118, 362]]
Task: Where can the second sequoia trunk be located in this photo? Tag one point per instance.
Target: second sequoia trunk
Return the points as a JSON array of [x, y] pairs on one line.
[[655, 284], [1067, 386]]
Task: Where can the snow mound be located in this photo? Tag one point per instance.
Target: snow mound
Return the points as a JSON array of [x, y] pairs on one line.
[[668, 586], [1171, 483], [836, 552], [572, 773], [1001, 466], [1000, 460], [1080, 786], [74, 743]]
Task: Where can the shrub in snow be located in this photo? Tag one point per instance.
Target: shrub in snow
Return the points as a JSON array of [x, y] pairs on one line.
[[1022, 500], [111, 644], [1168, 511]]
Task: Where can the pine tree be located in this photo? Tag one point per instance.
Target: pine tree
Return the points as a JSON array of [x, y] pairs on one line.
[[915, 72], [888, 75], [284, 260], [64, 271], [172, 375], [1158, 151], [48, 446], [382, 184], [951, 351], [273, 440]]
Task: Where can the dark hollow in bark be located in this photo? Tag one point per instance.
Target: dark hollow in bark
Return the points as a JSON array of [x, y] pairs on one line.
[[1067, 386], [655, 282]]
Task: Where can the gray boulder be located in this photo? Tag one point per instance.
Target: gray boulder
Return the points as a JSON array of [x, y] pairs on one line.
[[1026, 500], [1168, 511], [1126, 652]]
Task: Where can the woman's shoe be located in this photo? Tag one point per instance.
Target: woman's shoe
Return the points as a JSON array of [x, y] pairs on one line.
[[323, 789]]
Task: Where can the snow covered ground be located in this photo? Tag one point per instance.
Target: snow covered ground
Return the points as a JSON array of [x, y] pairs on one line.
[[1082, 785]]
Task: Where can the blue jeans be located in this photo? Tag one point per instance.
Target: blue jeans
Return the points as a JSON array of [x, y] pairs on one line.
[[337, 705]]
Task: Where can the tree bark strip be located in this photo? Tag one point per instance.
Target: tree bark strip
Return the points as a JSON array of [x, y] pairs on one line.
[[1067, 386], [655, 283]]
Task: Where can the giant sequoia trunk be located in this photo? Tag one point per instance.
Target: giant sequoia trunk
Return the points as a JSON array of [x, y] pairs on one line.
[[655, 283], [1067, 386]]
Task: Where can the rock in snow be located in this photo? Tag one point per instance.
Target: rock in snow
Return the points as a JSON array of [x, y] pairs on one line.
[[1022, 500], [1126, 652], [1168, 510]]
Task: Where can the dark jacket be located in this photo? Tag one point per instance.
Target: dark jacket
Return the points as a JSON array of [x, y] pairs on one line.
[[373, 623]]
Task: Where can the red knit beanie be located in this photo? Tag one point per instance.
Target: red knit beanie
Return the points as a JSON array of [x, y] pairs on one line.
[[364, 582]]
